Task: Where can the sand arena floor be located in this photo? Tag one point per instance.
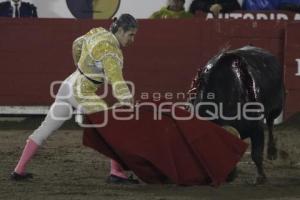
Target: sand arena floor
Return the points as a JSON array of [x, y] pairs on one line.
[[65, 169]]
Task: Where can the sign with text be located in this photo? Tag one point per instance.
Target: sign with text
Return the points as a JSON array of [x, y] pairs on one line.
[[298, 67], [292, 68], [265, 15]]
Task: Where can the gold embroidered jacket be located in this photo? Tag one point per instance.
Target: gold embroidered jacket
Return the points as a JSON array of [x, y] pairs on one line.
[[98, 56]]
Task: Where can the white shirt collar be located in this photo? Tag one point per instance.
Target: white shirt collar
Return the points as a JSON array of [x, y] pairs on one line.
[[13, 4], [15, 8]]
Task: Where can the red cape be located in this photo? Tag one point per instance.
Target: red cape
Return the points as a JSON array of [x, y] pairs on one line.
[[190, 152]]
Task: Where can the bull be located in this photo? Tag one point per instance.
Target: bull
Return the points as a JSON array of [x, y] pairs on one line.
[[240, 88]]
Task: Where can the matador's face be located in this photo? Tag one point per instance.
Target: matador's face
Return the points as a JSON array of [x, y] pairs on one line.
[[126, 37]]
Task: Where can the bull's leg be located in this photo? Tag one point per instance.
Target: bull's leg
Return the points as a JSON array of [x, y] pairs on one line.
[[257, 149], [272, 150]]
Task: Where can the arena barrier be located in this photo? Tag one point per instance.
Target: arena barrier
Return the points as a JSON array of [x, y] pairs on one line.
[[36, 53]]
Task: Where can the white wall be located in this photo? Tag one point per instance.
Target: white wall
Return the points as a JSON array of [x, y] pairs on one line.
[[52, 8], [138, 8]]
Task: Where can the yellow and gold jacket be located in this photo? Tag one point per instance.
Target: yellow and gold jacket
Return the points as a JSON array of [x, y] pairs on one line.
[[98, 57]]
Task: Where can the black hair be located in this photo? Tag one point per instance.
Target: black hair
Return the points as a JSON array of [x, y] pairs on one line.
[[126, 21]]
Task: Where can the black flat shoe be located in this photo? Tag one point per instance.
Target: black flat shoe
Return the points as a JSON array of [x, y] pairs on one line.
[[18, 177], [113, 179]]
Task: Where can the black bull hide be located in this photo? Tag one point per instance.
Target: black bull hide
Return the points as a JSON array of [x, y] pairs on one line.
[[241, 88]]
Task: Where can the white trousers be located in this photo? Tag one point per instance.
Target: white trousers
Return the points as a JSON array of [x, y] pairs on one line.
[[60, 111]]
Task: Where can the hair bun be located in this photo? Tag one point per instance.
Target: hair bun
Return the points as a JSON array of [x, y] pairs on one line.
[[125, 21]]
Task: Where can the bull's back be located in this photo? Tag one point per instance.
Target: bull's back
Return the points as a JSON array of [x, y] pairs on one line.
[[267, 75], [256, 78]]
